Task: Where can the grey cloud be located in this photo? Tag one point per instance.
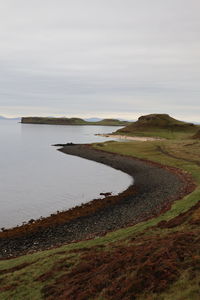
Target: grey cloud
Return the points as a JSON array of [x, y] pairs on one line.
[[114, 56]]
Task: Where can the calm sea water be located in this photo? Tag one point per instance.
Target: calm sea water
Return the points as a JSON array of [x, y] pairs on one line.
[[36, 180]]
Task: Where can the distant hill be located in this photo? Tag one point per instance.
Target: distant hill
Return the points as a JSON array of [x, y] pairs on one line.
[[161, 125], [4, 118], [93, 119], [113, 121], [100, 119], [72, 121]]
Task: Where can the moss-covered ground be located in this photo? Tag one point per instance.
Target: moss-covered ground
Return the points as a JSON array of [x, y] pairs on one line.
[[155, 260]]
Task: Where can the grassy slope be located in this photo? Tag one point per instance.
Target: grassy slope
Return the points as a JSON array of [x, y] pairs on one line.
[[149, 261], [160, 125]]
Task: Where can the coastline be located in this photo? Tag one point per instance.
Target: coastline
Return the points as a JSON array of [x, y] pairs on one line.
[[130, 138], [155, 188]]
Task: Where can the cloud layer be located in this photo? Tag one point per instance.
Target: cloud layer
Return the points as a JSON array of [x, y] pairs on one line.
[[100, 58]]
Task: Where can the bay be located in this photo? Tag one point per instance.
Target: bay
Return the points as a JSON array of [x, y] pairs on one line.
[[36, 180]]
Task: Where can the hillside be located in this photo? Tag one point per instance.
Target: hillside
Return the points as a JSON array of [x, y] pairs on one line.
[[161, 125], [71, 121]]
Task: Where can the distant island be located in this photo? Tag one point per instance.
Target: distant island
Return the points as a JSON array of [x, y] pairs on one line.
[[72, 121]]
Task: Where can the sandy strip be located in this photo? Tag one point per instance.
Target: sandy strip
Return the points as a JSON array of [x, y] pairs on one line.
[[130, 138]]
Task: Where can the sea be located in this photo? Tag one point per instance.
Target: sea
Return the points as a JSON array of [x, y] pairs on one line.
[[36, 180]]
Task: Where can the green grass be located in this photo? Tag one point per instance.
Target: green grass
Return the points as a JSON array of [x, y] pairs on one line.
[[23, 283], [159, 132]]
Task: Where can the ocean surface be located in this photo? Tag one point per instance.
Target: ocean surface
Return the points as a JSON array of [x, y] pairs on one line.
[[37, 180]]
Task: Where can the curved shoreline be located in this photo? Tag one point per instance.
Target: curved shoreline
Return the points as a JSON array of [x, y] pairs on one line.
[[155, 188]]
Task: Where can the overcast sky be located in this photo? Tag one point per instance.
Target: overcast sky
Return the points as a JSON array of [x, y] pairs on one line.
[[102, 58]]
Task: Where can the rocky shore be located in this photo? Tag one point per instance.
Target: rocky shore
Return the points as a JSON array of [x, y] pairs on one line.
[[155, 188]]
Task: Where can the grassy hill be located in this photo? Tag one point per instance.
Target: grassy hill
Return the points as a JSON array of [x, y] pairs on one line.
[[72, 121], [154, 260], [159, 125]]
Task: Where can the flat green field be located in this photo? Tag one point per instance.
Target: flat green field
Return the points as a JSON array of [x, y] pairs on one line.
[[155, 260]]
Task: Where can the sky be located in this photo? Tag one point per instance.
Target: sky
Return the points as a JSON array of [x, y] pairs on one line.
[[100, 58]]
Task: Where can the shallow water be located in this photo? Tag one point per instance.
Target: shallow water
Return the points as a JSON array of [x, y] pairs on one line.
[[36, 180]]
